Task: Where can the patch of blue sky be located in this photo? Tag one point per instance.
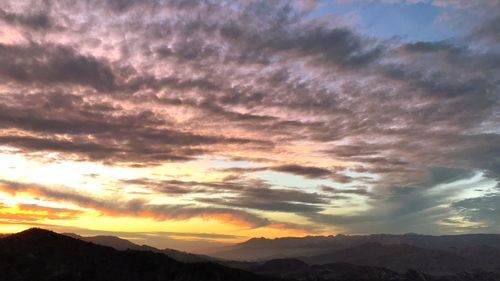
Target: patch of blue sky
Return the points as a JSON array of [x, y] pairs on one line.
[[476, 186], [295, 181], [410, 22], [355, 175], [288, 180]]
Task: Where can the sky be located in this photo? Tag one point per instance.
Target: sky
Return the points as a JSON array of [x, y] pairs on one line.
[[196, 124]]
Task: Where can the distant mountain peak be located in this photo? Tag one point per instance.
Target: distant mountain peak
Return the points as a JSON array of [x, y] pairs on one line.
[[124, 244], [35, 232]]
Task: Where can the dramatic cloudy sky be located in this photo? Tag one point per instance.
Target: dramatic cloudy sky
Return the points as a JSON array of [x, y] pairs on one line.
[[192, 124]]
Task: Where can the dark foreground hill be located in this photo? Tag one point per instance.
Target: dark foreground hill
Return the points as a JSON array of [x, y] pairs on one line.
[[402, 257], [42, 255], [293, 269]]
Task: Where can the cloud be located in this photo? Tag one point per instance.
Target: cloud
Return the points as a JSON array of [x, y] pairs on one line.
[[31, 213], [419, 208], [241, 194], [117, 135], [356, 191], [50, 212], [253, 80], [489, 30], [483, 210], [52, 64], [310, 172], [137, 207], [263, 205], [33, 21]]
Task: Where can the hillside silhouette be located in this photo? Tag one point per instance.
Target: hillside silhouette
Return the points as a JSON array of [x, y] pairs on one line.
[[123, 244], [42, 255]]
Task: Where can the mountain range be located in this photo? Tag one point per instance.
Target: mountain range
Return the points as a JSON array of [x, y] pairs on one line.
[[437, 255], [38, 254], [257, 249]]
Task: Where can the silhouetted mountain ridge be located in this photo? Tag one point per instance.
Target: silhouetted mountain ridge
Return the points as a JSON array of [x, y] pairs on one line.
[[123, 244], [264, 249], [435, 255], [42, 255]]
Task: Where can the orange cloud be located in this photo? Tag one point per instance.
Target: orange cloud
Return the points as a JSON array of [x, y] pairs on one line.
[[135, 207], [291, 230], [23, 213]]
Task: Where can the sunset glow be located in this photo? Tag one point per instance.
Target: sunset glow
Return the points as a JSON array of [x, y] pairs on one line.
[[198, 124]]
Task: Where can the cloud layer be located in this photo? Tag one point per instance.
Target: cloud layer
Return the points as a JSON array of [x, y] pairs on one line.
[[380, 123]]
